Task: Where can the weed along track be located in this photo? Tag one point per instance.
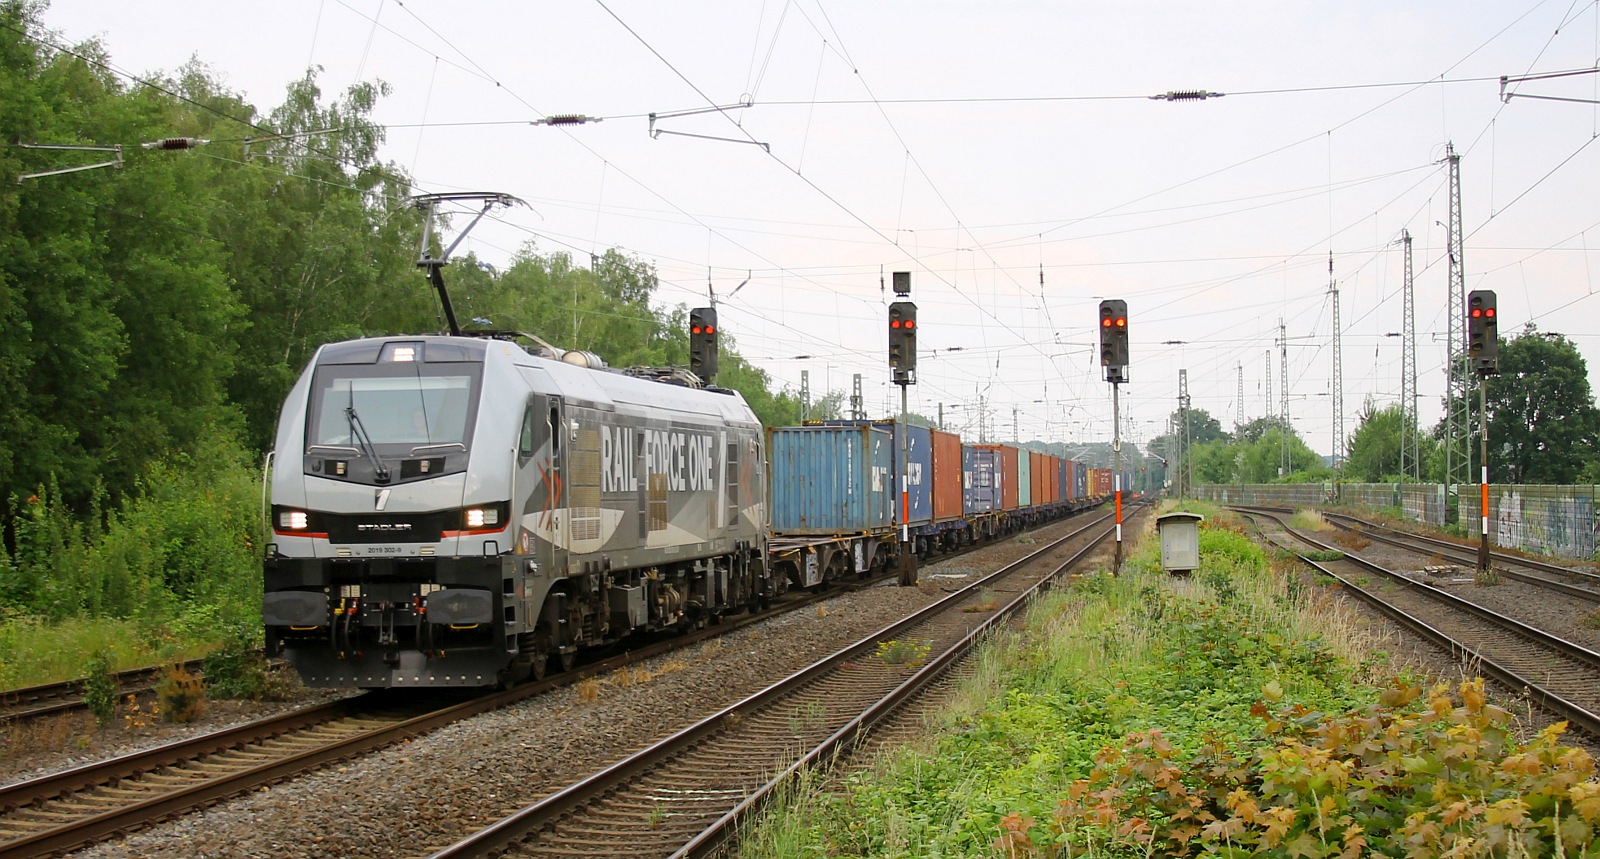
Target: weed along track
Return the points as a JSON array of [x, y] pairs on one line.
[[688, 793], [1554, 673], [54, 699]]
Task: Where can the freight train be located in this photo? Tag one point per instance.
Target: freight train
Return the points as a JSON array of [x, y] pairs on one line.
[[462, 511]]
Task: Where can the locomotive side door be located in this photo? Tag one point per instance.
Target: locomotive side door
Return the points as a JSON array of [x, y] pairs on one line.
[[541, 470]]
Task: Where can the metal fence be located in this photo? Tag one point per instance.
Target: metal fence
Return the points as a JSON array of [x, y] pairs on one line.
[[1549, 520]]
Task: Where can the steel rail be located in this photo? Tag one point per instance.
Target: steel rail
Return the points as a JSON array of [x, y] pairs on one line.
[[1469, 555], [500, 836], [1574, 713], [88, 829]]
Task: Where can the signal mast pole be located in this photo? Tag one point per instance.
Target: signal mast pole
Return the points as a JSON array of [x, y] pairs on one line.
[[903, 360], [1483, 351], [1114, 358]]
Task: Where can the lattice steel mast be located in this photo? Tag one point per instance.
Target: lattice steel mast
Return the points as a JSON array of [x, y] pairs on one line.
[[1338, 374], [1410, 444], [1238, 416], [1266, 410], [1186, 473], [1458, 385], [1283, 402]]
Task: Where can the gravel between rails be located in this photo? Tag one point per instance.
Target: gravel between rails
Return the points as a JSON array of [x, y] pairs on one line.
[[413, 799]]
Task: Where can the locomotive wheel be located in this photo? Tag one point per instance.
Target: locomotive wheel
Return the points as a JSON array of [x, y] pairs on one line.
[[532, 660], [567, 659]]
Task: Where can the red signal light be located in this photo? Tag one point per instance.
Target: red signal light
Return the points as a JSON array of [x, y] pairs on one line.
[[1476, 313], [1106, 322], [910, 324], [1489, 313], [695, 330], [894, 323], [1122, 322], [710, 330]]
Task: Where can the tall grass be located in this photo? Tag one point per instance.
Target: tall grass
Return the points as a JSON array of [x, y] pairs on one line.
[[175, 569], [1092, 665]]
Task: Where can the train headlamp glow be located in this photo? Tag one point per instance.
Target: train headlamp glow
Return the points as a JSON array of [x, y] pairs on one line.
[[404, 354], [477, 517], [293, 520]]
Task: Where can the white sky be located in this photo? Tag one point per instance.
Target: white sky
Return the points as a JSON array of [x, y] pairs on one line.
[[1010, 140]]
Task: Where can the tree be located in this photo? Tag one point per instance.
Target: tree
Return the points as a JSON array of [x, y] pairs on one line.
[[1202, 426], [113, 294], [1260, 460], [1375, 445], [1543, 423]]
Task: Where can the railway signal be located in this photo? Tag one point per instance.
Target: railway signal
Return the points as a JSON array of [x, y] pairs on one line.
[[1114, 357], [1114, 339], [903, 341], [703, 343], [903, 360], [1483, 335], [1483, 352]]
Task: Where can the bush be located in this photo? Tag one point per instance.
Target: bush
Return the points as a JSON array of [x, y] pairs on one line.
[[181, 695], [1394, 778], [238, 669], [100, 687]]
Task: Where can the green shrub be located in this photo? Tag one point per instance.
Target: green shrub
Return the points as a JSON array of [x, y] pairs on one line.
[[238, 669], [1391, 779], [100, 687]]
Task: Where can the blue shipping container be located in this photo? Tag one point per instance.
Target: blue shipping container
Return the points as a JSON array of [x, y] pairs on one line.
[[1080, 479], [980, 479], [1064, 479], [829, 480], [919, 477]]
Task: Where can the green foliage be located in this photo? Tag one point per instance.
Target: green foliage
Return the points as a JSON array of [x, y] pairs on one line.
[[1133, 717], [100, 687], [1542, 412], [188, 539], [1375, 446], [908, 653], [1391, 778], [237, 669]]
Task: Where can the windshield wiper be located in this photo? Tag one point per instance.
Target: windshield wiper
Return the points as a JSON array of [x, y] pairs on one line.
[[380, 471]]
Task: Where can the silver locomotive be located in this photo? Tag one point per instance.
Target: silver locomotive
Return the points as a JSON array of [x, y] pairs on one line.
[[461, 511]]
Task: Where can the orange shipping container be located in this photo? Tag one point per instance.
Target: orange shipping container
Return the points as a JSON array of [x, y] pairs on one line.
[[946, 476], [1010, 494], [1037, 480]]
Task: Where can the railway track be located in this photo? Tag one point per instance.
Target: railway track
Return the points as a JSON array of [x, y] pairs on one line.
[[51, 815], [54, 699], [687, 794], [1583, 584], [1555, 674]]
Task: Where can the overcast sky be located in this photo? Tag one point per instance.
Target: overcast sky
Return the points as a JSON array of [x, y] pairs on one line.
[[1009, 155]]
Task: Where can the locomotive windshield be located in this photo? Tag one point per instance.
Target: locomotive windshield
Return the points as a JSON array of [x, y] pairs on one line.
[[402, 407]]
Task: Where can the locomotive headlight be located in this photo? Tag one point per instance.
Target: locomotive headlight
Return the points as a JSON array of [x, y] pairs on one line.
[[477, 517], [293, 520]]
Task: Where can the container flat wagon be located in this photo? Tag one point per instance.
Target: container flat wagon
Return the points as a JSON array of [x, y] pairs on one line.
[[832, 507]]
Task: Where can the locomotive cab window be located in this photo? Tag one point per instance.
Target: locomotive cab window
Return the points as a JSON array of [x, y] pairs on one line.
[[386, 413]]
